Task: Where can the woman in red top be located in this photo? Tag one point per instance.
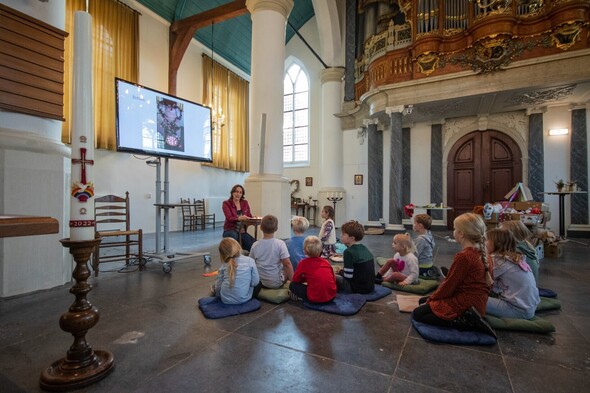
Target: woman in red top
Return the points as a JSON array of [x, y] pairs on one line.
[[461, 299], [316, 272], [236, 209]]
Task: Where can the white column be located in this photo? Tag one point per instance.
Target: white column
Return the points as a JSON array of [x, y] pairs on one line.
[[331, 178], [267, 190]]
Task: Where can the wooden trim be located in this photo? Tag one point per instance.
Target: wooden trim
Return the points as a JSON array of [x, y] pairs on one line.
[[31, 65], [11, 226]]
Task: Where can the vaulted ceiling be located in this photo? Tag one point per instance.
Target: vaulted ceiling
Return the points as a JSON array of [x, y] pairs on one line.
[[230, 39]]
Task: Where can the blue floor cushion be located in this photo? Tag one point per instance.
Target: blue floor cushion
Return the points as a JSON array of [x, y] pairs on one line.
[[534, 325], [548, 304], [377, 293], [276, 296], [544, 292], [343, 304], [213, 307], [450, 335], [423, 286]]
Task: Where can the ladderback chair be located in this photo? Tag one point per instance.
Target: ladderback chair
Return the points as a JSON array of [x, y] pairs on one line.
[[202, 217], [189, 219], [113, 226]]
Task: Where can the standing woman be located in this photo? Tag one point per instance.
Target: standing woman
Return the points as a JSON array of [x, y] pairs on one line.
[[236, 209]]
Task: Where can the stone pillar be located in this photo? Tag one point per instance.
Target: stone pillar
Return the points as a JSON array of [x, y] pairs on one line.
[[536, 167], [370, 21], [579, 166], [406, 168], [374, 172], [436, 170], [350, 50], [395, 176], [331, 178], [268, 191]]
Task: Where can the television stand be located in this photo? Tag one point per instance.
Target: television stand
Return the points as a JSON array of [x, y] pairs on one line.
[[165, 255]]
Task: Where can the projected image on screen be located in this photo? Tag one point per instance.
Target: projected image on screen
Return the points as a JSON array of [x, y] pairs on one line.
[[170, 125], [157, 124]]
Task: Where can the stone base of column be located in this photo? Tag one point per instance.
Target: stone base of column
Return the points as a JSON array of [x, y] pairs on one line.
[[271, 194]]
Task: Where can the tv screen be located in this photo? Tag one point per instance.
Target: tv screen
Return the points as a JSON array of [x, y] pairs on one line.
[[153, 123]]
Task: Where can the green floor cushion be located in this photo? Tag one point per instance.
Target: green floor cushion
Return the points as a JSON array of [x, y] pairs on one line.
[[381, 260], [423, 286], [276, 296], [534, 325], [548, 304]]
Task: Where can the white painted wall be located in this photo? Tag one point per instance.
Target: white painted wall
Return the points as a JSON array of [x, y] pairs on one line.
[[355, 162], [118, 172], [296, 51], [34, 180], [557, 160]]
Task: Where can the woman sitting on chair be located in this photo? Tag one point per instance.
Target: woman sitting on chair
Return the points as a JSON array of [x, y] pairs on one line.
[[237, 209]]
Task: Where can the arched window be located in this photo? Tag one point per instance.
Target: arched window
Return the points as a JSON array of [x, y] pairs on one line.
[[296, 117]]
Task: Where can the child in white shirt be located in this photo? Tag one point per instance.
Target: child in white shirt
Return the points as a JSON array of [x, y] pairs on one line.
[[402, 269]]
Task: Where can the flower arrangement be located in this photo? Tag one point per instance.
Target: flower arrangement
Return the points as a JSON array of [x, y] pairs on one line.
[[409, 210], [559, 184]]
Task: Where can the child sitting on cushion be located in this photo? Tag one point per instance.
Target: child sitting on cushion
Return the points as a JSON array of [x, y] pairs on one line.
[[271, 256], [402, 269], [515, 293], [358, 274], [460, 300], [522, 235], [295, 245], [424, 245], [237, 275], [314, 278]]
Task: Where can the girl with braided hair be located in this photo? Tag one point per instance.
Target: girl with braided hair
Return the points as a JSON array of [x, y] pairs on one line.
[[237, 275], [461, 298]]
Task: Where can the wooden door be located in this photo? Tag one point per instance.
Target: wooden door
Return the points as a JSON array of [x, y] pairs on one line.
[[483, 167]]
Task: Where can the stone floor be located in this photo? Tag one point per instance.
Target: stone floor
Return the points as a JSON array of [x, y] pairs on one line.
[[162, 343]]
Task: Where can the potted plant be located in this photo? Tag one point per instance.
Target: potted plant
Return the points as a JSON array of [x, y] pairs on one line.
[[559, 184], [571, 186]]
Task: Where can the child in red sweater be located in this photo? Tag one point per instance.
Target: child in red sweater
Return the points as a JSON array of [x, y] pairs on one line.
[[314, 271]]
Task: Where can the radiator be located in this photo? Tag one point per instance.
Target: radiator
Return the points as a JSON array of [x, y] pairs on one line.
[[213, 206]]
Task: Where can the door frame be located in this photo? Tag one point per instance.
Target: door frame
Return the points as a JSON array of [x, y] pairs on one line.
[[513, 124]]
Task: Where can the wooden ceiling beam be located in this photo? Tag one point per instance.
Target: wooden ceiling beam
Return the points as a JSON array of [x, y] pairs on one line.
[[182, 32]]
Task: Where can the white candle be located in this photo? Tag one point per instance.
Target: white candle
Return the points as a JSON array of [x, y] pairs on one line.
[[82, 224]]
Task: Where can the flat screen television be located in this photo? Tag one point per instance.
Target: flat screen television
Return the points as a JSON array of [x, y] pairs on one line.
[[157, 124]]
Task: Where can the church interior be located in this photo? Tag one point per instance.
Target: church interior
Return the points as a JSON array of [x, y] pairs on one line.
[[444, 106]]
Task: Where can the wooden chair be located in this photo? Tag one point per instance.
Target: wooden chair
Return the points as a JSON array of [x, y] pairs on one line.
[[189, 219], [202, 217], [112, 221]]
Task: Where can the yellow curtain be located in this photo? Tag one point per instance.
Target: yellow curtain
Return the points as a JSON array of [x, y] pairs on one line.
[[115, 53], [228, 96]]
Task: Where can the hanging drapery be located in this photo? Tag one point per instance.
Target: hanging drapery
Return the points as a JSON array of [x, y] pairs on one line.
[[228, 95], [115, 53]]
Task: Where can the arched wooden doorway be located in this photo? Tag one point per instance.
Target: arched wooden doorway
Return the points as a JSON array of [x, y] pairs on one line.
[[483, 167]]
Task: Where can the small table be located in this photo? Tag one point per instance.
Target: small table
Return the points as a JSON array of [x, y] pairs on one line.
[[562, 195], [429, 208], [298, 206], [255, 221], [312, 211]]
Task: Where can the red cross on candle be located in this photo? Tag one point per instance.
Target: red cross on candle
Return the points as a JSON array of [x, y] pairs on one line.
[[83, 161]]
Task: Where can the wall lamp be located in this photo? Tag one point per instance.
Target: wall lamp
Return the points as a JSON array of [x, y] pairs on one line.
[[558, 131]]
